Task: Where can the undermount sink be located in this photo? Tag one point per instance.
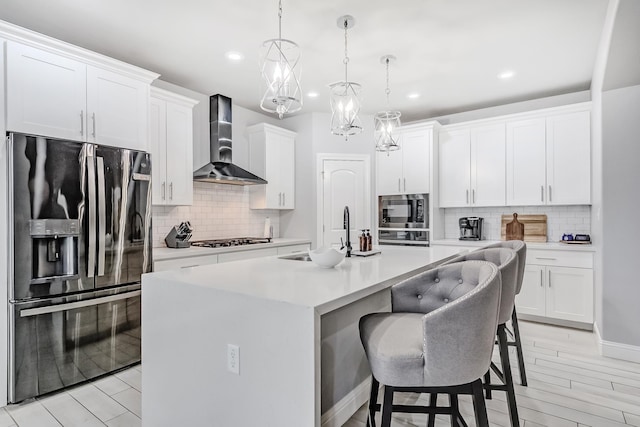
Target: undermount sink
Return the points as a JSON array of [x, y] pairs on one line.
[[297, 257]]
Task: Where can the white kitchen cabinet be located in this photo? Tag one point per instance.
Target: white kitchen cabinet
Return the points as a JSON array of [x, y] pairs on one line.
[[408, 170], [171, 147], [549, 160], [284, 250], [472, 166], [272, 157], [557, 285], [60, 96], [253, 253], [171, 264]]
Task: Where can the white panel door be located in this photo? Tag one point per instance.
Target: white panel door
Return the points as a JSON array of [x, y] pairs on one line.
[[158, 150], [526, 162], [344, 184], [416, 162], [46, 93], [531, 299], [389, 172], [570, 293], [287, 171], [117, 109], [488, 169], [454, 168], [179, 158], [569, 159], [273, 192]]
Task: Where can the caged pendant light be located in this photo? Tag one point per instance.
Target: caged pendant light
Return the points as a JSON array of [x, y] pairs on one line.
[[345, 96], [387, 122], [279, 65]]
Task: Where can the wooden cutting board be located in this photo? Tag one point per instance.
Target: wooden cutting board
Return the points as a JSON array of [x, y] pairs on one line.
[[535, 227]]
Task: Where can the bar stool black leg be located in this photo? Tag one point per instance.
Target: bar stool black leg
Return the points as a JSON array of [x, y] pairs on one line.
[[487, 381], [479, 406], [387, 406], [433, 401], [516, 333], [455, 411], [373, 400], [506, 372]]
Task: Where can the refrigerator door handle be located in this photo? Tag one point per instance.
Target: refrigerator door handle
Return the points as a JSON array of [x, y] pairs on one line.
[[102, 216], [91, 174], [27, 312]]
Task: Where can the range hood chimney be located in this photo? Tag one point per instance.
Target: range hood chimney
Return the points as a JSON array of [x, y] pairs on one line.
[[220, 170]]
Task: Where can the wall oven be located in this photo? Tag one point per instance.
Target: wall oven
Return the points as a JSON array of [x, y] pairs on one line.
[[403, 219]]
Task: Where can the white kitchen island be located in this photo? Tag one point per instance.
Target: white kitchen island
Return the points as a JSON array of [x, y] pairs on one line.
[[296, 327]]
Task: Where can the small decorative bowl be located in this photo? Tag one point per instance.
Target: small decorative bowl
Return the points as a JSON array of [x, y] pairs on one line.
[[327, 257]]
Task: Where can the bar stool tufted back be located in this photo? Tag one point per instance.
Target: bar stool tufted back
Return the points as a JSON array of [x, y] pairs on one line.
[[507, 262], [521, 249]]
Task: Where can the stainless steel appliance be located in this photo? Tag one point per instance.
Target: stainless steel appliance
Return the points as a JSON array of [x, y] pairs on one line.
[[403, 219], [470, 228], [81, 238], [223, 243]]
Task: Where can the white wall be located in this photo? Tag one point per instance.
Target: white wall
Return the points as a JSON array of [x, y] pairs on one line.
[[620, 206], [314, 138], [4, 223]]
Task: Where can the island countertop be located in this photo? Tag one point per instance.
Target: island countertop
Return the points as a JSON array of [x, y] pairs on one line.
[[305, 284]]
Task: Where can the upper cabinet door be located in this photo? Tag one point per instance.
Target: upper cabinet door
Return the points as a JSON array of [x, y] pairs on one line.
[[526, 162], [569, 159], [45, 93], [179, 154], [287, 171], [488, 170], [455, 161], [416, 161], [117, 109], [389, 171], [158, 149]]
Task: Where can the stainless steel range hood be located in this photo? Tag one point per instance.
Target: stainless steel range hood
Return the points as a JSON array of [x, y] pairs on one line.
[[220, 170]]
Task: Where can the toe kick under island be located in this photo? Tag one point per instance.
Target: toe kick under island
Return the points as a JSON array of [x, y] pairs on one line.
[[266, 341]]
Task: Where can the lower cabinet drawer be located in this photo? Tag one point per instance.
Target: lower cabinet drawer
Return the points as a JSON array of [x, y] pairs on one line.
[[254, 253], [283, 250], [560, 258], [171, 264]]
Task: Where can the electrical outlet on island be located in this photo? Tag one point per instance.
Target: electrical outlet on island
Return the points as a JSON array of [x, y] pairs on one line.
[[233, 359]]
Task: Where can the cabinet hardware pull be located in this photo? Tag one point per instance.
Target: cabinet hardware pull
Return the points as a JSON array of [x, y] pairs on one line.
[[542, 193], [164, 192], [473, 196], [93, 119], [279, 199], [405, 183], [550, 197], [82, 122], [171, 191], [541, 279], [467, 196], [549, 258], [399, 184], [549, 278], [284, 195]]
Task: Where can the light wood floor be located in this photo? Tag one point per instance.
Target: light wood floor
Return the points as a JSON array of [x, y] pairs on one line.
[[570, 384]]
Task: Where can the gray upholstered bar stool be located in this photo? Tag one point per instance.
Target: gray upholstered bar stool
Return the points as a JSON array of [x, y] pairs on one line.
[[446, 350], [507, 262], [521, 249]]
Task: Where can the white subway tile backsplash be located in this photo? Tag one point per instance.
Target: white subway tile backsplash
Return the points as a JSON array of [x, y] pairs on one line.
[[560, 220], [218, 212]]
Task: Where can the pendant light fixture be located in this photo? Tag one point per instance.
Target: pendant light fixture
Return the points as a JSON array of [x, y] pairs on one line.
[[279, 62], [345, 96], [387, 122]]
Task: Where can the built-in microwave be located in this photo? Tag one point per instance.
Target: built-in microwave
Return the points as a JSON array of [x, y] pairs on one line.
[[403, 220], [403, 211]]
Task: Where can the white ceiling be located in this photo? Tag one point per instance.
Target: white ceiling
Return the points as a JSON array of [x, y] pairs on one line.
[[449, 51]]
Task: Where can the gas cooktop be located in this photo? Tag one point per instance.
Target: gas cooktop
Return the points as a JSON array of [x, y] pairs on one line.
[[221, 243]]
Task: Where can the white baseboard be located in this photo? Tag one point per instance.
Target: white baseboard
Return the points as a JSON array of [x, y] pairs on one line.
[[616, 350], [340, 413]]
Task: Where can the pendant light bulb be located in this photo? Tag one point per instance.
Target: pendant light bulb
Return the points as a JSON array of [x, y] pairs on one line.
[[387, 122]]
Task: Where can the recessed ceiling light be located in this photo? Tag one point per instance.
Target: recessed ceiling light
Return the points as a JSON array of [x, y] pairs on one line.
[[312, 94], [234, 56], [413, 95], [506, 74]]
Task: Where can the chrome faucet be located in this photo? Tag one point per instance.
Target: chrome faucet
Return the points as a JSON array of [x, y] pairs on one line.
[[347, 227]]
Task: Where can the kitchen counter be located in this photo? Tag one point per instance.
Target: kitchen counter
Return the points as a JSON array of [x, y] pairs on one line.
[[164, 253], [287, 318], [556, 246]]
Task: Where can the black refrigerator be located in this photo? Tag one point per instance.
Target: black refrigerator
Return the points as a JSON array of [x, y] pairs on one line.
[[80, 239]]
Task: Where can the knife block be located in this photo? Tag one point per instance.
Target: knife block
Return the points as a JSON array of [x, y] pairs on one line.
[[174, 240]]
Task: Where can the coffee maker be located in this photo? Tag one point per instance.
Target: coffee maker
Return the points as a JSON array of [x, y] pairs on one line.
[[470, 228]]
